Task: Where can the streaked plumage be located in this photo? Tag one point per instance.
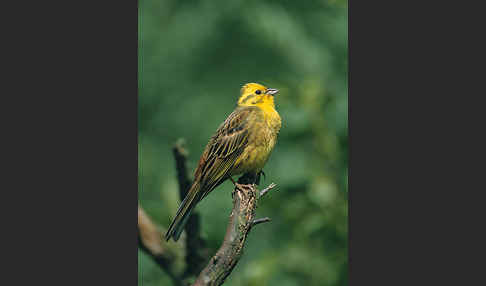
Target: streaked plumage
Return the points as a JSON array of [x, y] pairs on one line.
[[242, 144]]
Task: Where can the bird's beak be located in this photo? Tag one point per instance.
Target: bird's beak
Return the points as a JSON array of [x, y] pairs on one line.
[[271, 91]]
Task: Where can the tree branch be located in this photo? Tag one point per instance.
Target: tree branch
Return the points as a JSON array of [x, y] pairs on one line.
[[245, 199], [151, 242], [195, 245], [180, 155], [183, 261], [260, 220], [264, 191]]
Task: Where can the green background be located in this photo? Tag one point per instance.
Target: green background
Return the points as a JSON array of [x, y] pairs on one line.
[[194, 56]]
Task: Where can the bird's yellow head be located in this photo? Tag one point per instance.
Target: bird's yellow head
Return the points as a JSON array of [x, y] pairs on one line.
[[254, 94]]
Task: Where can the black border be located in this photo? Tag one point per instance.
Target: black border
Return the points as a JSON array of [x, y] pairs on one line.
[[73, 141], [411, 203]]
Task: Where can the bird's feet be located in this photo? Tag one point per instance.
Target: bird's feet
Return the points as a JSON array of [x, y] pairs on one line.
[[240, 187]]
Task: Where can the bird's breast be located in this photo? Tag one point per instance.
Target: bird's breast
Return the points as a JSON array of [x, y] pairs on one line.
[[262, 140]]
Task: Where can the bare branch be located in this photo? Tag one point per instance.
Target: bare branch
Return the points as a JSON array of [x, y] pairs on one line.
[[241, 221], [180, 155], [151, 242], [195, 245], [150, 236], [260, 220], [264, 191]]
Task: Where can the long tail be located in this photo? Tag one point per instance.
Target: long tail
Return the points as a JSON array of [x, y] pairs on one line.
[[184, 212]]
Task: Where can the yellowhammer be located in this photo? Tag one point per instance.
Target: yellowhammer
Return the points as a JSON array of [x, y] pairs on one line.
[[241, 145]]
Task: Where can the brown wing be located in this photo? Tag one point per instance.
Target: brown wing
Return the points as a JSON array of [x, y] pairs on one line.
[[225, 146]]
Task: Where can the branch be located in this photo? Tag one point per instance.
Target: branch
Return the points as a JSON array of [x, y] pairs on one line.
[[184, 261], [180, 155], [195, 245], [245, 197], [264, 191], [260, 220], [151, 242]]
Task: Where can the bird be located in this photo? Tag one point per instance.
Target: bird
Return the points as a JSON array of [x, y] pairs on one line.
[[242, 144]]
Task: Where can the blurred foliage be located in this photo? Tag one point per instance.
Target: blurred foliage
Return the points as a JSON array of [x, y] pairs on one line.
[[193, 58]]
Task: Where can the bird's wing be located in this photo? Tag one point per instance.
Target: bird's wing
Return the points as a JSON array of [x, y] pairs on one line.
[[225, 146]]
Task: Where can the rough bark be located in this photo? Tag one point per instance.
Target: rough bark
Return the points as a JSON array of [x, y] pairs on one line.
[[242, 219]]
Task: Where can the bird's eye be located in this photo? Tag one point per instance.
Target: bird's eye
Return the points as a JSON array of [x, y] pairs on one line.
[[258, 92]]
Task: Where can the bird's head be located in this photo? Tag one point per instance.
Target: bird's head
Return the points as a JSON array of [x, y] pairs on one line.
[[254, 94]]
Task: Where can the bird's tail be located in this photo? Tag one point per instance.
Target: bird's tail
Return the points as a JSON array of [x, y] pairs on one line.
[[184, 212]]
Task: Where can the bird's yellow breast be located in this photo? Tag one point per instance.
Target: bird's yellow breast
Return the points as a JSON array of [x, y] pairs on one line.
[[261, 142]]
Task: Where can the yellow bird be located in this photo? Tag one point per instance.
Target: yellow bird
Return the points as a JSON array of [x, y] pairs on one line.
[[241, 145]]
